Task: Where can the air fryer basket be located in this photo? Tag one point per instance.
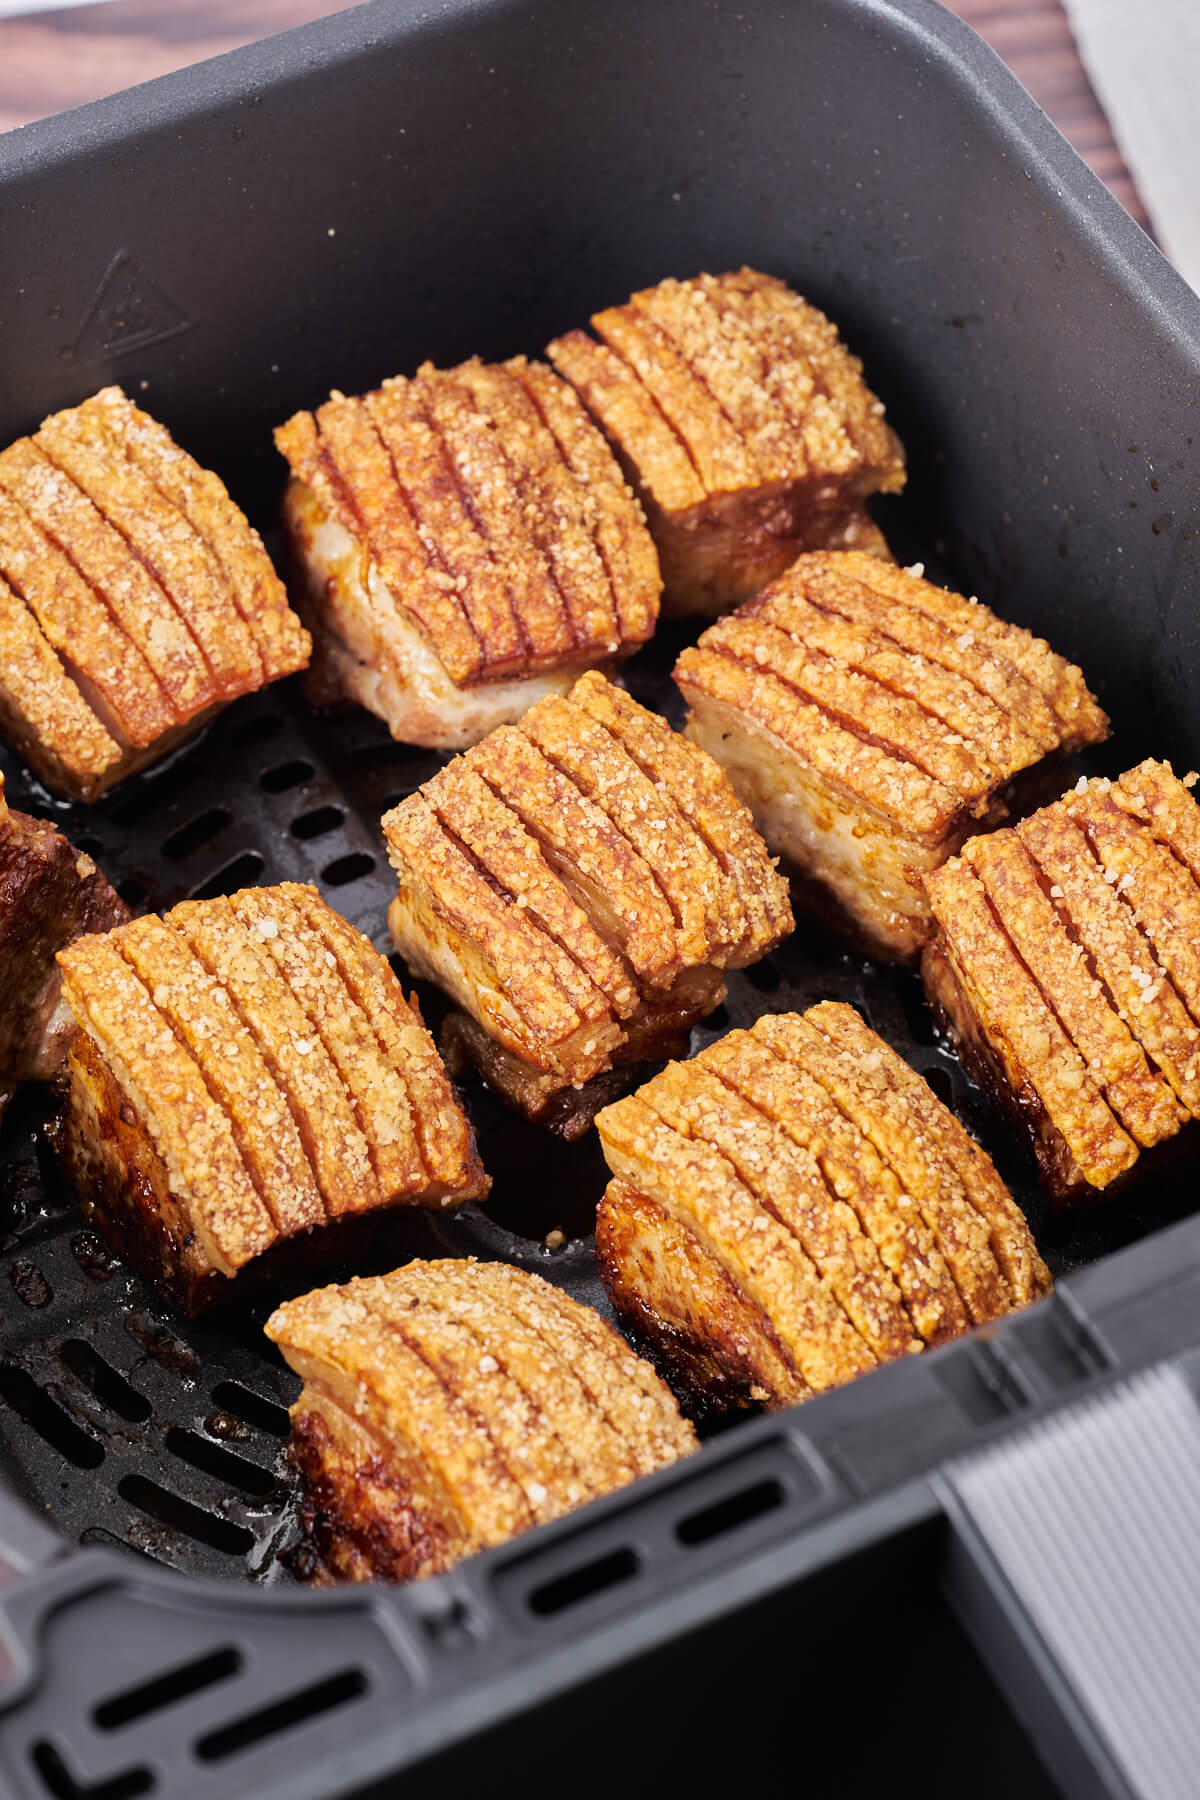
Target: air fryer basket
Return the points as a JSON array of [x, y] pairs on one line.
[[330, 207]]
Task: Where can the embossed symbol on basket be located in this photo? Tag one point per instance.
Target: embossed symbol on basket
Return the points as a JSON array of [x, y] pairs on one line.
[[129, 311]]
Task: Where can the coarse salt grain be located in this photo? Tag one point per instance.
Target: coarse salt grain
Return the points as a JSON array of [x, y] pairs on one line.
[[1056, 892], [303, 1046], [488, 1365], [268, 928], [537, 1493]]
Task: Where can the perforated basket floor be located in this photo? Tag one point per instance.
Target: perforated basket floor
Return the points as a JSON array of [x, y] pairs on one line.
[[129, 1427]]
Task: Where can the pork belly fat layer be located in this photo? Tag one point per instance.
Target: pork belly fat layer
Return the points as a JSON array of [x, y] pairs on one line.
[[794, 1205], [873, 722], [449, 1406], [50, 894], [577, 885], [134, 597], [272, 1085], [744, 425]]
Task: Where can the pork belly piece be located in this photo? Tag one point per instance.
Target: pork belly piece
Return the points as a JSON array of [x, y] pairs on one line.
[[872, 722], [577, 885], [795, 1206], [248, 1089], [464, 544], [1065, 964], [743, 423], [50, 894], [135, 599], [449, 1406]]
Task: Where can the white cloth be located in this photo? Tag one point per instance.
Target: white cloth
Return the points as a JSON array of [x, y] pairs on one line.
[[1144, 63]]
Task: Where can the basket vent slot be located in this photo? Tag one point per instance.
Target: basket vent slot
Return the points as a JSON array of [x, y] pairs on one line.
[[345, 869], [45, 1416], [178, 1514], [282, 1715], [583, 1583], [251, 1408], [58, 1780], [165, 1690], [242, 872], [285, 775], [730, 1513], [213, 1459], [108, 1384], [197, 832], [317, 823]]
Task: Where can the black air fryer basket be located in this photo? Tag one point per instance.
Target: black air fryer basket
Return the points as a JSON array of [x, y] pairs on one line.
[[972, 1569]]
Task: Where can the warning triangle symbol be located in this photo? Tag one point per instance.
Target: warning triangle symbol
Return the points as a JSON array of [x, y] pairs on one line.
[[129, 311]]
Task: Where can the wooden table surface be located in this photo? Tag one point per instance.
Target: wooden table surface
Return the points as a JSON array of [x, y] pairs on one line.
[[50, 61]]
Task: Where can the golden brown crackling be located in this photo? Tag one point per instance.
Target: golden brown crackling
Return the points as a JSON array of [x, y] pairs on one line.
[[236, 955], [897, 789], [78, 546], [1014, 1016], [633, 419], [823, 449], [640, 1412], [810, 336], [467, 1340], [1144, 1103], [485, 475], [961, 1234], [845, 589], [447, 1146], [896, 1090], [203, 499], [785, 1177], [166, 1088], [705, 795], [49, 715], [376, 1091], [556, 506], [446, 527], [618, 523], [1153, 793], [1081, 719], [1123, 961], [614, 885], [642, 1406], [514, 981], [342, 460], [872, 711], [698, 1186], [159, 536], [94, 647], [202, 1016], [716, 1345], [999, 742], [852, 1170], [1160, 891], [721, 458], [687, 872], [724, 361], [502, 846], [543, 1356], [332, 1338]]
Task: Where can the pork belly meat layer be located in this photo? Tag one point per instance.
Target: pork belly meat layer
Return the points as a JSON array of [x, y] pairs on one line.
[[449, 1406], [50, 894], [872, 722], [248, 1082], [793, 1207], [745, 426], [464, 544], [1064, 962], [577, 884], [135, 599]]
